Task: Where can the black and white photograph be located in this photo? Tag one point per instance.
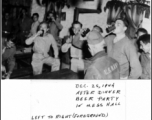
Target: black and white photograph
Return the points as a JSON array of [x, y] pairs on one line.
[[76, 39], [76, 59]]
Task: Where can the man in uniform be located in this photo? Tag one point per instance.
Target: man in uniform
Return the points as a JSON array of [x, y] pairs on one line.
[[100, 66]]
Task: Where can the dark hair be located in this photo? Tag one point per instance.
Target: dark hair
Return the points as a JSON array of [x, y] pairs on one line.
[[143, 30], [99, 28], [35, 14], [124, 21], [77, 22], [41, 24], [53, 13], [145, 38]]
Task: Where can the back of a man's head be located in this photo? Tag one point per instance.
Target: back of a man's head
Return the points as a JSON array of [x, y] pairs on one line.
[[141, 31], [95, 42], [145, 38]]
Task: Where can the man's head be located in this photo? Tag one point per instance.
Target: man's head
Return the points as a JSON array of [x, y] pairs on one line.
[[35, 17], [120, 26], [51, 15], [95, 42], [97, 28], [140, 32], [145, 43], [43, 26], [24, 12], [76, 26], [7, 15]]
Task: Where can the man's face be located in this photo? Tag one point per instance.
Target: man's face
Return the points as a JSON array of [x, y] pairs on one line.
[[76, 28], [50, 16], [96, 29], [35, 18], [120, 27], [145, 47], [44, 27]]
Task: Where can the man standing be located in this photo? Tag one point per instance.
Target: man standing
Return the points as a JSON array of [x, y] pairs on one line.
[[145, 45], [54, 26], [25, 23], [77, 64], [100, 66], [122, 49], [35, 24], [7, 25]]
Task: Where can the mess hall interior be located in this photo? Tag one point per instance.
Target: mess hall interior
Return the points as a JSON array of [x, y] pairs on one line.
[[76, 39]]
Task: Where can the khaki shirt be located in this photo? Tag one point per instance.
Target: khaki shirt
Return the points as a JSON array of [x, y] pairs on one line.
[[42, 45]]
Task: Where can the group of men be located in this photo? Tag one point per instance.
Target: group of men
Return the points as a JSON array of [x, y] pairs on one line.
[[27, 29], [120, 59]]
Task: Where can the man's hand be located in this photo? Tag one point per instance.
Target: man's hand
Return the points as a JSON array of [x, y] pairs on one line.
[[82, 30], [39, 32], [69, 40], [9, 44], [8, 76]]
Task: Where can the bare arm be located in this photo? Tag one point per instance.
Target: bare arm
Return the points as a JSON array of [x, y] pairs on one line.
[[58, 24], [30, 40]]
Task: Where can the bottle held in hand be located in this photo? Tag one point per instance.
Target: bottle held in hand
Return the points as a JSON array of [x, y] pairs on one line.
[[110, 29], [42, 33], [85, 32]]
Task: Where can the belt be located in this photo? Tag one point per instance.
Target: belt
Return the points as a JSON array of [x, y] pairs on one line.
[[77, 58]]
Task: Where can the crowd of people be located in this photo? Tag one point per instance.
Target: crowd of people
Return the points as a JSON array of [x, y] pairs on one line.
[[92, 55]]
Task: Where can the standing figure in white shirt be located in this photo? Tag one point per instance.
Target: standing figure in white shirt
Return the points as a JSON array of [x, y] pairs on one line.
[[77, 64], [34, 25]]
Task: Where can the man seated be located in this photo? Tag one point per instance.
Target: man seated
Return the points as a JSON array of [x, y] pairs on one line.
[[100, 66], [42, 41], [8, 60], [145, 56]]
